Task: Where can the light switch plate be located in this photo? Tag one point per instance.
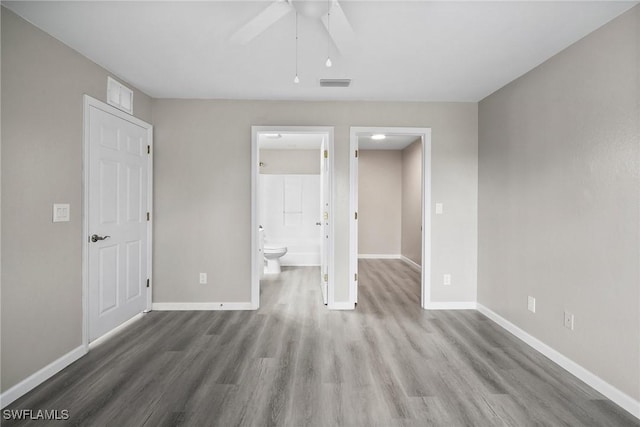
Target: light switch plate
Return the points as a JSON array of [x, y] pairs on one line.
[[439, 208], [61, 212]]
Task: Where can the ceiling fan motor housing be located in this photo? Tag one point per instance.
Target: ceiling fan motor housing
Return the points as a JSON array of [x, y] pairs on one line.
[[311, 8]]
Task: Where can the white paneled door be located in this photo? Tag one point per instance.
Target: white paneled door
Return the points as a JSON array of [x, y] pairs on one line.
[[118, 205]]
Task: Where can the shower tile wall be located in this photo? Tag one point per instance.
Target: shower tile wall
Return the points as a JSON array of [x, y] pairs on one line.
[[289, 211]]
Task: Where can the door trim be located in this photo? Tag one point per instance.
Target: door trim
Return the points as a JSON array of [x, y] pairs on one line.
[[92, 102], [425, 134], [255, 168]]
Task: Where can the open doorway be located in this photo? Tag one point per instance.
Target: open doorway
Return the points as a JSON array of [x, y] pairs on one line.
[[292, 209], [393, 191]]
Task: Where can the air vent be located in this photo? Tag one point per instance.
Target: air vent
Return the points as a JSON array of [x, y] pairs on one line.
[[119, 95], [335, 82]]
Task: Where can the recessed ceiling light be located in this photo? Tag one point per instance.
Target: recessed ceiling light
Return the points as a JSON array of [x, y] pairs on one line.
[[378, 136], [272, 135]]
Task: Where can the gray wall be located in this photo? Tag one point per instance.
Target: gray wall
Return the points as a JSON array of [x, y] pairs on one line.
[[203, 191], [379, 201], [297, 162], [559, 206], [42, 86], [412, 202]]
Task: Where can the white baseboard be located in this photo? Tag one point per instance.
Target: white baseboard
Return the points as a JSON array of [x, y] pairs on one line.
[[622, 399], [412, 263], [34, 380], [379, 256], [451, 305], [201, 306], [115, 331], [341, 306]]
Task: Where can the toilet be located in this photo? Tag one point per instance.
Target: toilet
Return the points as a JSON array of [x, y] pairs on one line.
[[272, 254]]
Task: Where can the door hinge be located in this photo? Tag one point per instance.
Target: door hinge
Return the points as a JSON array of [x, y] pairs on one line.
[[148, 216], [148, 149], [147, 283], [356, 215], [326, 277], [356, 154], [326, 154], [355, 277]]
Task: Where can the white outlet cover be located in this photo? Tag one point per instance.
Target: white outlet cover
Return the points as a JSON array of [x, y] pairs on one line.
[[61, 212], [447, 279], [531, 304], [439, 208], [203, 278], [568, 320]]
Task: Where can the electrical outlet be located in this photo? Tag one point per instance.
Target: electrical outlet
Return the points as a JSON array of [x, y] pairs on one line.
[[531, 304], [203, 278], [568, 320], [446, 279], [439, 208]]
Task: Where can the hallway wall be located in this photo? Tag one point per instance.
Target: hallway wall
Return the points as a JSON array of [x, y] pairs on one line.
[[412, 202], [379, 202]]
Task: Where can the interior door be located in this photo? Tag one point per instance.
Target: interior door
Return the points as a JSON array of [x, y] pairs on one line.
[[118, 206], [354, 184], [324, 218]]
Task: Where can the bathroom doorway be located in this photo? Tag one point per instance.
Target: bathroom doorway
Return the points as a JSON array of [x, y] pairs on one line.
[[390, 197], [292, 208]]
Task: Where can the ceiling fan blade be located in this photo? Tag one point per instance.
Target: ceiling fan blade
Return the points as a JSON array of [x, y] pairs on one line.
[[341, 32], [272, 14]]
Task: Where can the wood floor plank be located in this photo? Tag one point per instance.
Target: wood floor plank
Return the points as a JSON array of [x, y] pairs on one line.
[[295, 363]]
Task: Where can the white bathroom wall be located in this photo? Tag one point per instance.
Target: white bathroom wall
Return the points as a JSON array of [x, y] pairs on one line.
[[289, 209], [289, 161]]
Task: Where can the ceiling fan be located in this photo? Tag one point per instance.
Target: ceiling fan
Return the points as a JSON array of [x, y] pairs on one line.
[[340, 28]]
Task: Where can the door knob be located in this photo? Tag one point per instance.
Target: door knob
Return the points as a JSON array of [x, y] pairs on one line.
[[95, 238]]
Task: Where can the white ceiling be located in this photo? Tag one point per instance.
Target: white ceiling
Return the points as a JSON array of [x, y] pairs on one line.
[[290, 141], [406, 50], [391, 142], [311, 141]]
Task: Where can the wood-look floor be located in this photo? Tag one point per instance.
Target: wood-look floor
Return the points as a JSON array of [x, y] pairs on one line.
[[294, 363]]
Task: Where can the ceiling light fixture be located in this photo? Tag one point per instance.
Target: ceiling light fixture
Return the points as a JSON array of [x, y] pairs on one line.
[[328, 63], [296, 79], [378, 137], [272, 135]]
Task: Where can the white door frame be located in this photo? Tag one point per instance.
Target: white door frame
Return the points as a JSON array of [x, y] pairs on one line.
[[86, 140], [425, 134], [255, 170]]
